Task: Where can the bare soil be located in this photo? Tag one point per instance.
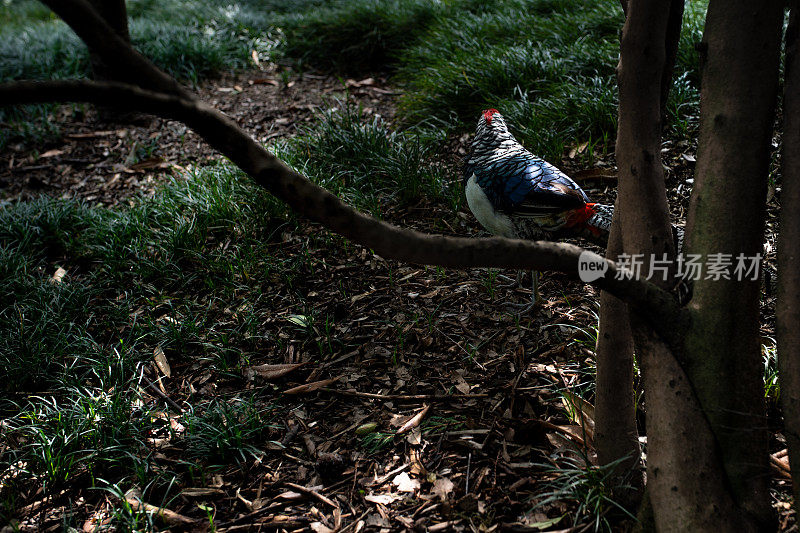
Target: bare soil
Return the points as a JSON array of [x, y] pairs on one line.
[[108, 162]]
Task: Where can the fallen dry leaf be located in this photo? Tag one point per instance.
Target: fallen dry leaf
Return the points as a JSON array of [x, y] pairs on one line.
[[265, 81], [414, 421], [405, 483], [274, 371], [361, 83], [51, 153], [383, 499], [152, 162], [171, 518], [442, 487], [310, 387], [91, 134], [319, 527], [58, 275], [161, 361]]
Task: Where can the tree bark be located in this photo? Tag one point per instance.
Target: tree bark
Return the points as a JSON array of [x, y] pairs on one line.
[[671, 42], [616, 436], [126, 64], [116, 16], [685, 481], [788, 306], [726, 215], [638, 153], [642, 196]]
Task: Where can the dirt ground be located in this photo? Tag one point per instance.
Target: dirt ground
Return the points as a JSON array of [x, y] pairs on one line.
[[484, 459], [109, 162]]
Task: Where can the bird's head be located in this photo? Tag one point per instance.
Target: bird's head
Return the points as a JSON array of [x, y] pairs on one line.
[[491, 125], [492, 133]]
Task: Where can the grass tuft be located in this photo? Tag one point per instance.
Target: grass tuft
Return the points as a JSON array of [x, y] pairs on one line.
[[226, 432], [589, 488], [363, 161]]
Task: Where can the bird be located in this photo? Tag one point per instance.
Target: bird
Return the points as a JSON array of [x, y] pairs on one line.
[[515, 194]]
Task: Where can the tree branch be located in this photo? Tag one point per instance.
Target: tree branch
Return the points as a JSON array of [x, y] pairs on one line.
[[124, 63], [672, 40], [319, 205], [303, 196]]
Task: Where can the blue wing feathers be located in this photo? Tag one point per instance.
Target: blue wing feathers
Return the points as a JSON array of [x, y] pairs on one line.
[[525, 184]]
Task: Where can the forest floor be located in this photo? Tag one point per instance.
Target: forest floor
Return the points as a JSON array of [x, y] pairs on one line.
[[395, 397]]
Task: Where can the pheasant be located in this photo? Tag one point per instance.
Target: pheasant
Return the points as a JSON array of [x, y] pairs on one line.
[[515, 194]]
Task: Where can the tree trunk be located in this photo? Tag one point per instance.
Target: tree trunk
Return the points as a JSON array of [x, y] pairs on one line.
[[685, 481], [642, 196], [116, 15], [726, 215], [616, 436], [788, 306], [672, 40], [128, 65]]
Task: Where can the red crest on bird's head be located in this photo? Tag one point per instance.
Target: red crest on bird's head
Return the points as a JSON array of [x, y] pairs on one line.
[[488, 115]]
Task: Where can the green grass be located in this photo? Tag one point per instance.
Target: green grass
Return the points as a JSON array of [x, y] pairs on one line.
[[69, 351], [548, 65], [589, 489], [366, 163], [224, 432], [772, 387]]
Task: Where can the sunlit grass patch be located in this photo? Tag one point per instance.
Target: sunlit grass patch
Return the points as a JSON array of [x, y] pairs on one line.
[[364, 161]]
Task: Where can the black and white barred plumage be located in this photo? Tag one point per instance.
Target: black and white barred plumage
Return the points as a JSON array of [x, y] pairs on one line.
[[515, 194]]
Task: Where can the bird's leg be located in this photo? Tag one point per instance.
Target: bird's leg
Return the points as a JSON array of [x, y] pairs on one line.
[[536, 297], [511, 283]]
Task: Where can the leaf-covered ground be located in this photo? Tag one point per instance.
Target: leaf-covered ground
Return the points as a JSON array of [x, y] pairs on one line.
[[318, 386]]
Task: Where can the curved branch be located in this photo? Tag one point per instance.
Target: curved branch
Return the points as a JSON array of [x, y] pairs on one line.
[[303, 196], [119, 56], [321, 206]]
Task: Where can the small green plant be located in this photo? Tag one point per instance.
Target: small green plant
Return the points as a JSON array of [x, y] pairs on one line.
[[772, 388], [376, 442], [226, 431], [489, 282], [436, 425], [587, 487]]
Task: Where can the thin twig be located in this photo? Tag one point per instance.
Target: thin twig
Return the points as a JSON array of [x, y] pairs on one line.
[[314, 494], [405, 397], [152, 387]]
